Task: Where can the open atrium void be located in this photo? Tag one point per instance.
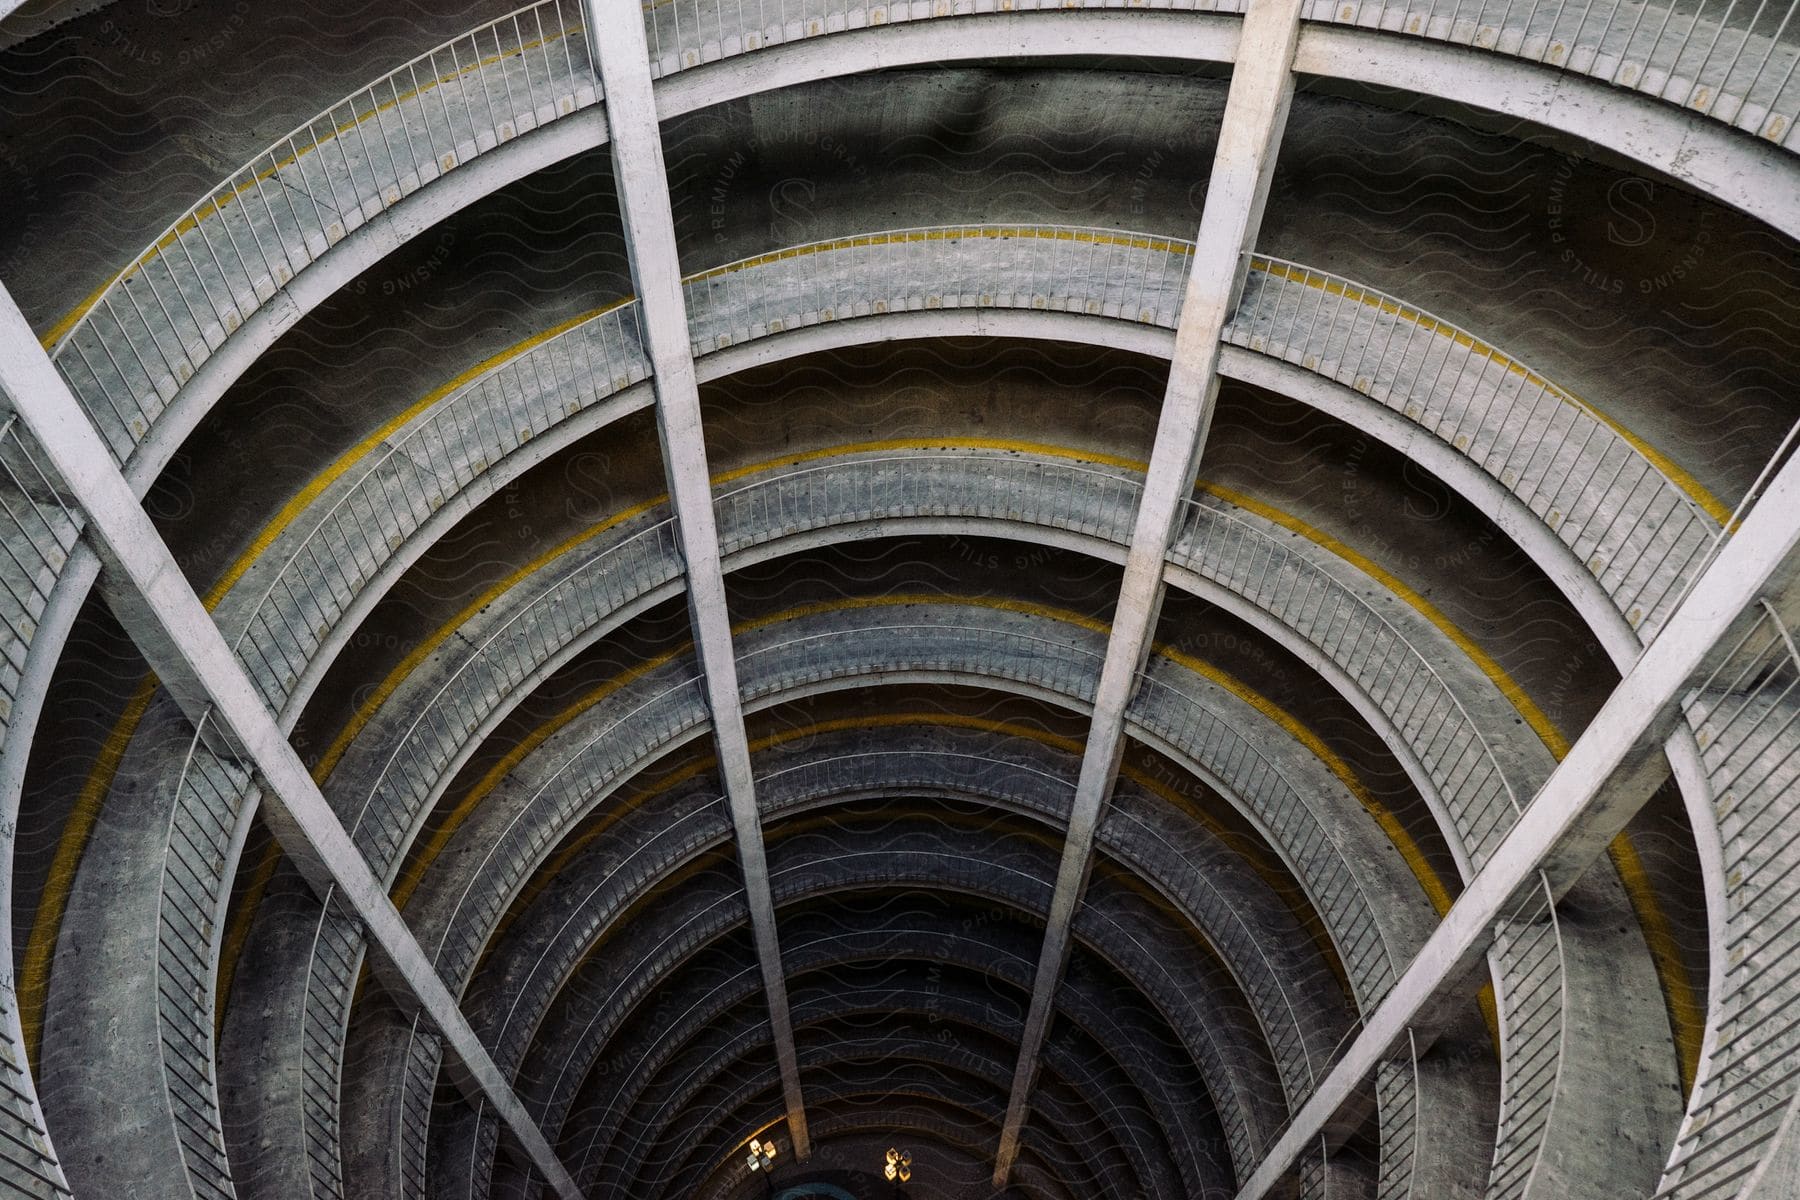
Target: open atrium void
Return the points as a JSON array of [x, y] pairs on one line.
[[949, 599]]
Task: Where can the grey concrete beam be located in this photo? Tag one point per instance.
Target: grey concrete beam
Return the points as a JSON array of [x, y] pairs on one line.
[[623, 54], [166, 619], [1256, 107], [1610, 772]]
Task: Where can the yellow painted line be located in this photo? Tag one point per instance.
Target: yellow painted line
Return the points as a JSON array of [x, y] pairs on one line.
[[1686, 1014], [53, 901], [1276, 876], [293, 508], [374, 700], [75, 835], [195, 215], [1695, 490], [1403, 841]]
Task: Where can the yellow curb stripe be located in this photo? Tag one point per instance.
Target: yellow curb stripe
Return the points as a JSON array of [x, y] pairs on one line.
[[1676, 986], [195, 215], [1693, 488], [53, 901], [1409, 849]]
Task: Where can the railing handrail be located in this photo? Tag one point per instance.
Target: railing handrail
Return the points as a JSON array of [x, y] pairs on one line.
[[1146, 679], [1433, 324], [192, 212], [547, 596], [415, 428], [207, 1087], [774, 475], [1375, 615], [990, 230]]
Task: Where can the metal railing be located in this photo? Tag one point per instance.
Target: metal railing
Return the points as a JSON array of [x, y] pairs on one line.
[[1068, 495], [1746, 718], [689, 33], [626, 881], [1528, 949], [607, 1012], [781, 791], [1125, 835], [1223, 923], [442, 453], [655, 718], [1182, 718], [206, 824], [232, 252], [1397, 1104], [531, 641], [773, 505], [28, 1162], [1397, 1111], [38, 527], [1638, 532], [1733, 60], [1099, 503], [1379, 659], [1109, 267], [803, 955], [910, 867], [555, 623], [333, 966], [38, 530], [1246, 1139], [587, 772], [1137, 277]]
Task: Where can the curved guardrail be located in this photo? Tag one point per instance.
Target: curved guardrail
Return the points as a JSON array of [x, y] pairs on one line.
[[1172, 709], [206, 824], [442, 453], [1016, 783], [998, 874], [1056, 495], [146, 334], [1045, 268], [978, 877], [1746, 718], [1050, 664], [1086, 272], [690, 33], [38, 530], [1732, 60], [1637, 532], [1398, 677], [1610, 501], [1528, 944], [1397, 1112]]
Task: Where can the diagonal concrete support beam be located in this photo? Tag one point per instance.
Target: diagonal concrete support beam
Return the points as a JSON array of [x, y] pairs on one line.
[[177, 635], [619, 47], [1609, 774], [1256, 107]]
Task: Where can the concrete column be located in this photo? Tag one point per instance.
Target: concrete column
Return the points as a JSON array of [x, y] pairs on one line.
[[178, 637], [616, 31], [1613, 768], [1256, 107]]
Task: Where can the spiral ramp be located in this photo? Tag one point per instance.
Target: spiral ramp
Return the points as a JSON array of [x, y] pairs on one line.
[[1140, 599]]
